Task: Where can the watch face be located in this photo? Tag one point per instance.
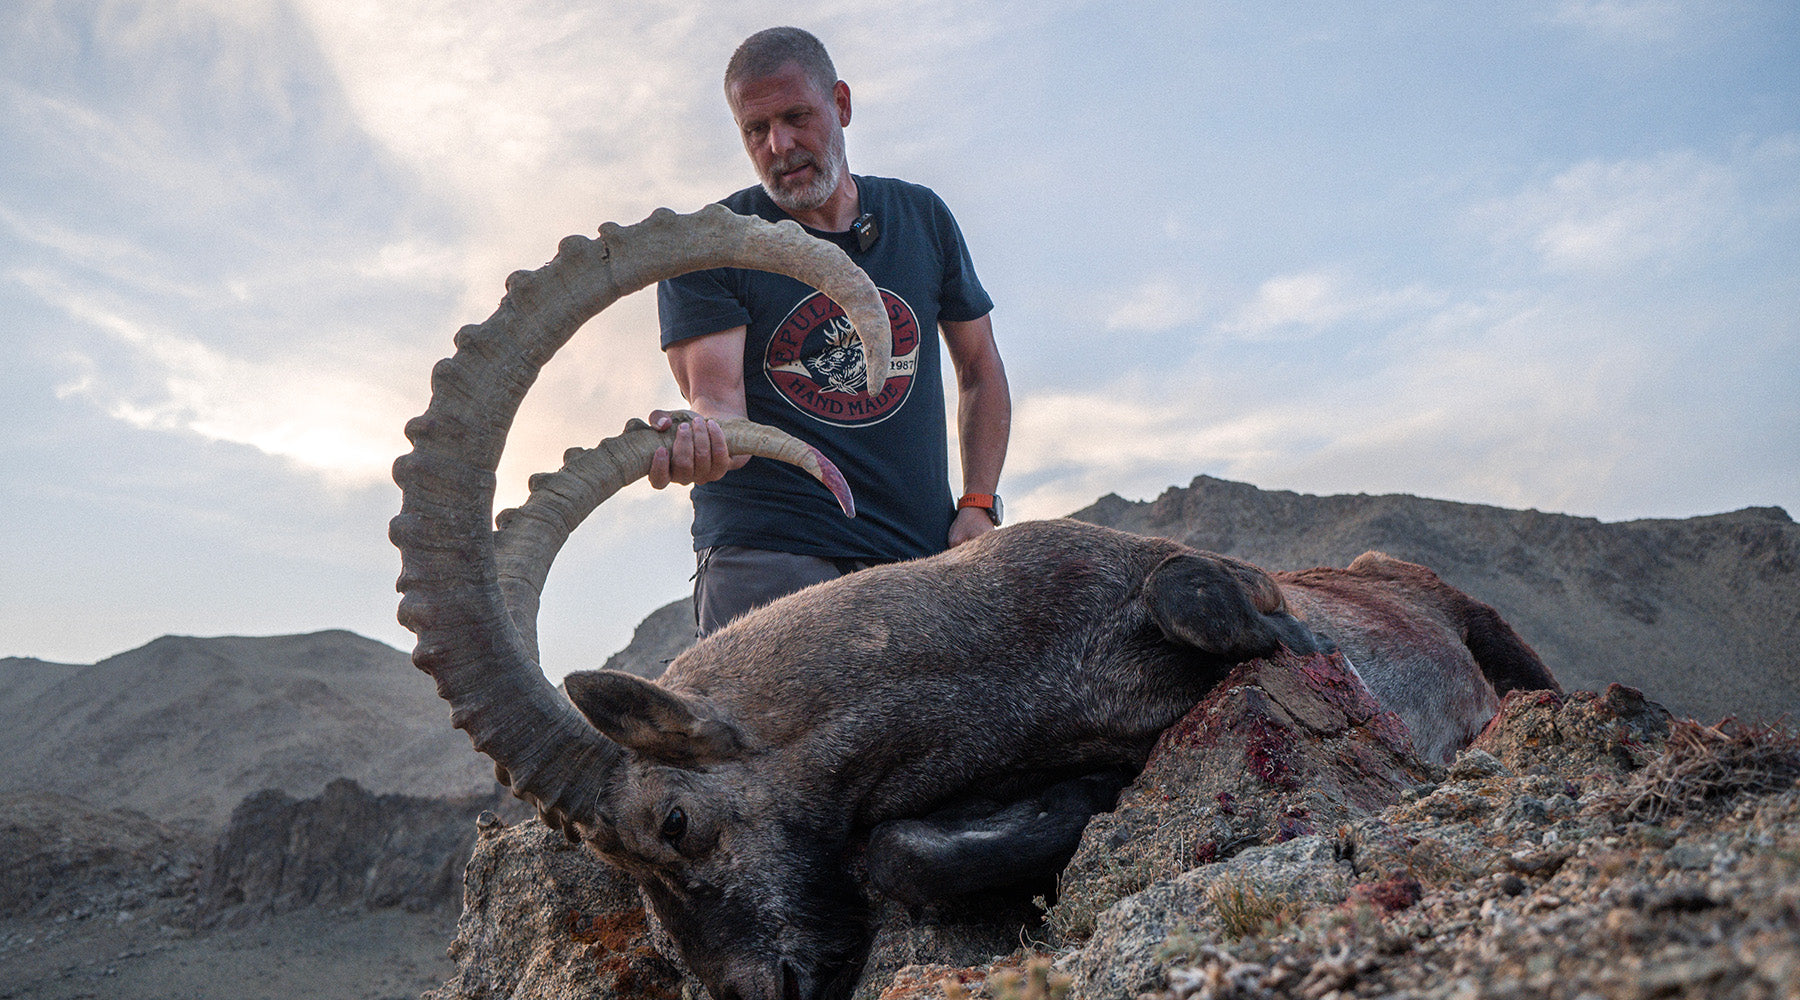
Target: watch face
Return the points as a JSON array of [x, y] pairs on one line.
[[994, 511]]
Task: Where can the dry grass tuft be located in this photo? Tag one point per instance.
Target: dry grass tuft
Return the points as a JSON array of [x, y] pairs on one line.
[[1037, 981], [1245, 909], [1703, 765]]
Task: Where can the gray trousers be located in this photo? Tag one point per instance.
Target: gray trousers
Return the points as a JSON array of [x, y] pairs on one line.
[[732, 579]]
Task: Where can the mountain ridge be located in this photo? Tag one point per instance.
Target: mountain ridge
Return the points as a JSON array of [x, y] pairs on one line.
[[183, 728]]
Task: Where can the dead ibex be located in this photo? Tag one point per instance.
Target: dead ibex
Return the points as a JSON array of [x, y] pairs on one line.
[[1035, 666]]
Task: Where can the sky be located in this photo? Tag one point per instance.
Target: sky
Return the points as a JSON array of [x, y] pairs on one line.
[[1532, 254]]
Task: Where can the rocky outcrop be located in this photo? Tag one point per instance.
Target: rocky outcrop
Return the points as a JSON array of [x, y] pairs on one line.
[[659, 638], [545, 918], [61, 858], [1584, 734], [972, 933], [344, 848], [1282, 748], [1124, 954]]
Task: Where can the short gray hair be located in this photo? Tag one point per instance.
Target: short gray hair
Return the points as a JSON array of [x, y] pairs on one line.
[[766, 52]]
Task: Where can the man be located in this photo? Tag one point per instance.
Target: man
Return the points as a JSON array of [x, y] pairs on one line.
[[748, 343]]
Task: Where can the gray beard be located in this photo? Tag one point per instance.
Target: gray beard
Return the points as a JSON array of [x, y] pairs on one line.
[[816, 192]]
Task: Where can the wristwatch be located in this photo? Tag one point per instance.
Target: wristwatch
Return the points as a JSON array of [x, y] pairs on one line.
[[988, 502]]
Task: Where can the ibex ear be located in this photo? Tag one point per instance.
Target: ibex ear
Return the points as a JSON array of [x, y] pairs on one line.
[[660, 724], [1225, 608]]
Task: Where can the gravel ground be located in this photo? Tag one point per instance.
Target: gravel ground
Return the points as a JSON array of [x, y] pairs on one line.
[[1682, 880], [140, 955]]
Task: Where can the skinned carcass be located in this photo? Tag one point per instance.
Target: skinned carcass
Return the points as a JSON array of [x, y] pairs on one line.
[[1033, 668]]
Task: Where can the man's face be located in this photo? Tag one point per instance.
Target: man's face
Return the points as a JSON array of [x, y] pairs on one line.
[[794, 135]]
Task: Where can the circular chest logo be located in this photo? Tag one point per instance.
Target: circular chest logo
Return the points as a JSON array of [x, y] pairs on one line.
[[815, 362]]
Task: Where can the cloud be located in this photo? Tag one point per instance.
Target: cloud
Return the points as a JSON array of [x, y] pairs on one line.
[[1156, 305], [1312, 299], [1530, 397], [1599, 217], [185, 113], [554, 117], [1625, 20], [1135, 435], [1290, 306], [550, 114], [328, 419], [548, 119], [406, 260], [116, 255], [1305, 303]]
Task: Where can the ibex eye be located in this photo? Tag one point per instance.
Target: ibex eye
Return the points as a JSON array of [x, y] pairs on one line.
[[674, 825]]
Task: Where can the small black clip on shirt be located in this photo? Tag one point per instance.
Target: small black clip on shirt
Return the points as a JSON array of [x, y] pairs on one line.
[[866, 230]]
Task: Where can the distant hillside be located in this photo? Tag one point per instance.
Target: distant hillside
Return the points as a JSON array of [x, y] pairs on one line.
[[1702, 613], [60, 855], [25, 677], [182, 729], [659, 638]]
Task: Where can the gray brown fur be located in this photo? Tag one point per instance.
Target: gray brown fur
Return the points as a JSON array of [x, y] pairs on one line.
[[1429, 653], [1037, 654]]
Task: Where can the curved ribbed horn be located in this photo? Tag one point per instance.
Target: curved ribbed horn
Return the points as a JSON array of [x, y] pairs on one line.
[[449, 581], [533, 533]]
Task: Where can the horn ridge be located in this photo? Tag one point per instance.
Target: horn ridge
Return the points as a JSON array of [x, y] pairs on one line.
[[452, 598], [531, 535], [720, 238]]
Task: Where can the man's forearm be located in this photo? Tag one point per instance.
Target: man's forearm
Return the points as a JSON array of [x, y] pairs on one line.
[[983, 402], [983, 426], [709, 372], [718, 407]]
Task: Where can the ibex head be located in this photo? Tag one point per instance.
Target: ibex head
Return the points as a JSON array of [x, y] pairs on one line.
[[749, 884], [655, 781]]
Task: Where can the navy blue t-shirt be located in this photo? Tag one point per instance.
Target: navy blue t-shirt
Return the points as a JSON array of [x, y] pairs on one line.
[[803, 373]]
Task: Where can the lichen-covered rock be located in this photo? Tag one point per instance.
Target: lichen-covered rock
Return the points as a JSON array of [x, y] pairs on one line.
[[545, 918], [1026, 974], [1283, 748], [1576, 735], [1509, 879], [927, 982], [973, 933], [1126, 954]]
